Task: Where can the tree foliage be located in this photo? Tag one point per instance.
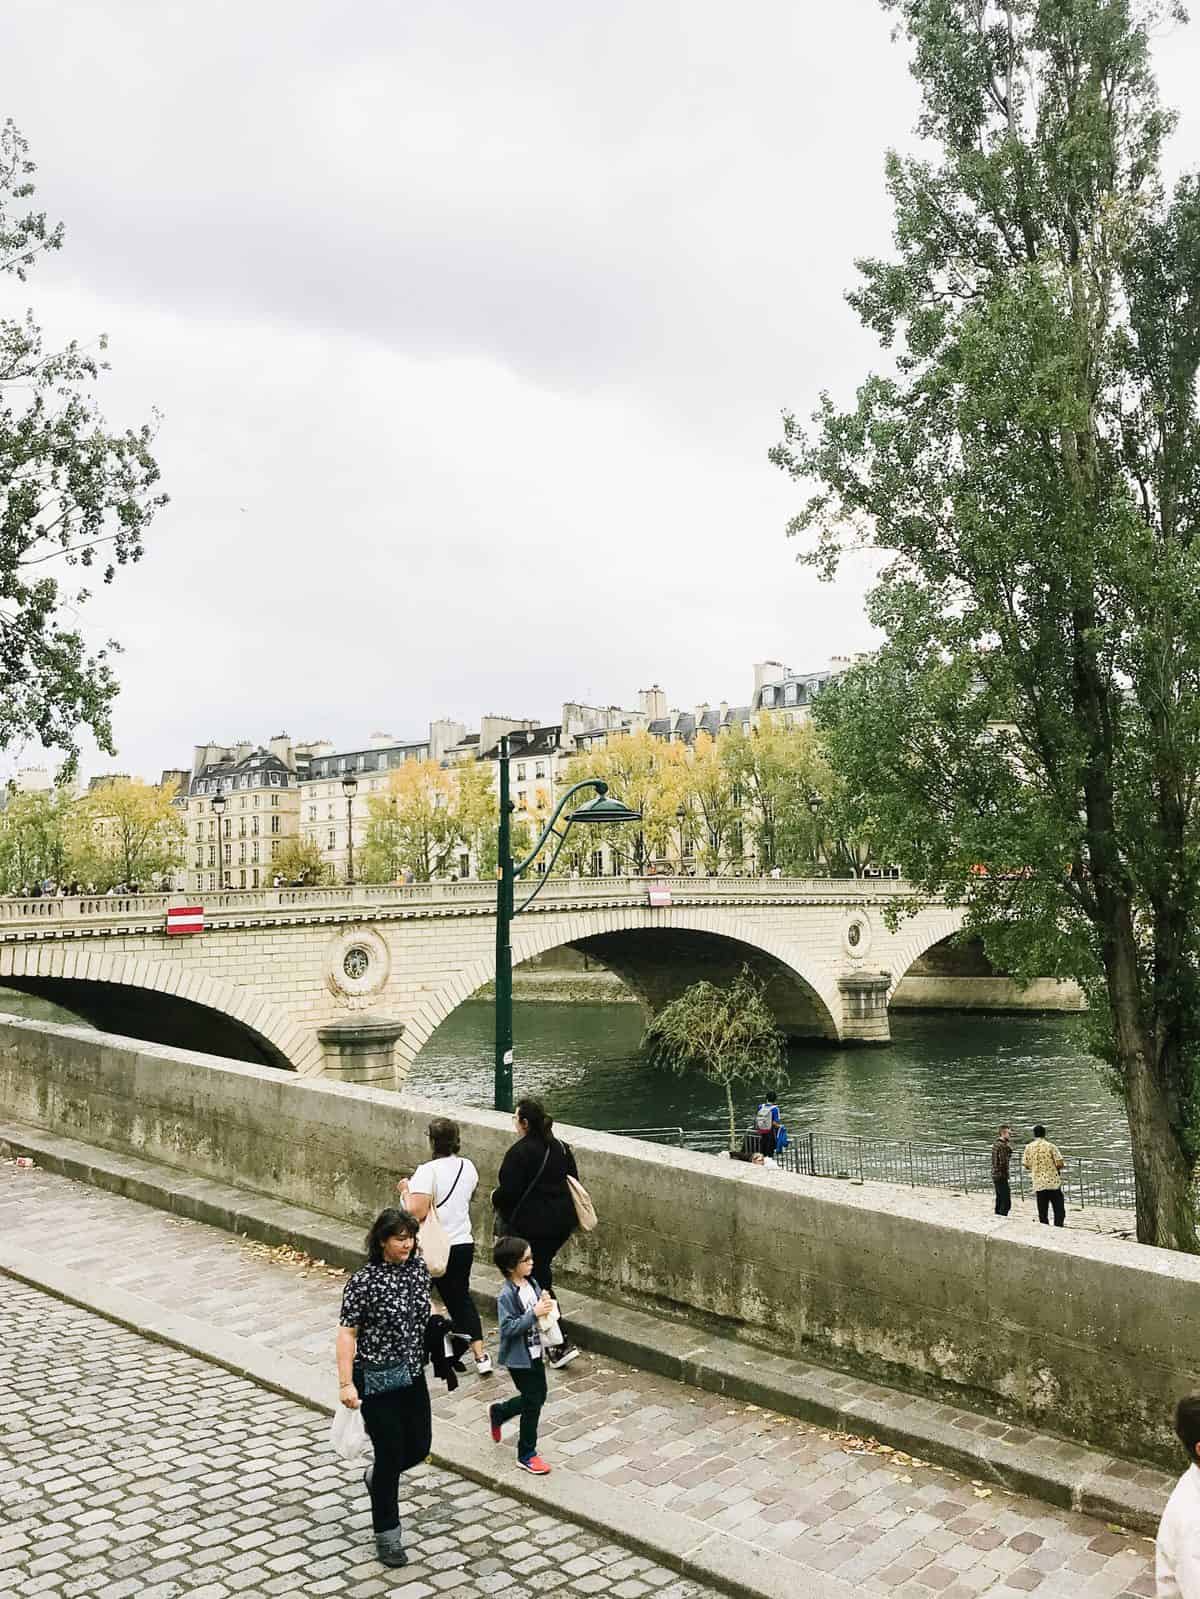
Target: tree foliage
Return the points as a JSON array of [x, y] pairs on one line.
[[427, 817], [299, 862], [75, 498], [33, 839], [726, 1033], [1030, 730], [745, 799], [125, 831]]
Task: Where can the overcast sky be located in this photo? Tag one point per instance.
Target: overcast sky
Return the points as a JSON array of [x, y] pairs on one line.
[[470, 324]]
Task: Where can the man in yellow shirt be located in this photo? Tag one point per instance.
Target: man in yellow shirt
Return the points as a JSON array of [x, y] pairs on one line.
[[1044, 1164]]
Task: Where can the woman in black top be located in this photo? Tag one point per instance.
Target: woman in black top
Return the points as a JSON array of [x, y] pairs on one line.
[[533, 1199], [381, 1365]]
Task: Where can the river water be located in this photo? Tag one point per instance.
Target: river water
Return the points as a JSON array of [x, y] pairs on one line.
[[946, 1078]]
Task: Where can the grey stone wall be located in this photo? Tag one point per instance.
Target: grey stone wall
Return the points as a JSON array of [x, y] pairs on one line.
[[1085, 1336]]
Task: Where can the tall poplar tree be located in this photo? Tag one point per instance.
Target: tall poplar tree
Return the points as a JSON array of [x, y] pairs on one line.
[[1031, 467]]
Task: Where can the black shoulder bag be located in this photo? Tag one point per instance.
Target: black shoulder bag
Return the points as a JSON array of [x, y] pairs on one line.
[[503, 1225]]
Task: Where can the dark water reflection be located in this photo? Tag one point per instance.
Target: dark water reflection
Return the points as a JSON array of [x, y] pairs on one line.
[[946, 1078]]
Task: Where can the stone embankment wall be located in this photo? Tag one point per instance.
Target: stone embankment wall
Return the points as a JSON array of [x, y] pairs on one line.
[[1089, 1337]]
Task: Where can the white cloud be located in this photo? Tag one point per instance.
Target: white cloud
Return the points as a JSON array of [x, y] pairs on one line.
[[471, 326]]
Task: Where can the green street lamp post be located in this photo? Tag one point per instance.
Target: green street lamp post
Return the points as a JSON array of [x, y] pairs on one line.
[[601, 809]]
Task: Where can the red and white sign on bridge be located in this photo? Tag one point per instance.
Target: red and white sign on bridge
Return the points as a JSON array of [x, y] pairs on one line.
[[185, 919]]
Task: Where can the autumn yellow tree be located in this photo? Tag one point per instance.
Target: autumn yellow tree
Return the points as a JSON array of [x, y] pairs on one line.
[[125, 831]]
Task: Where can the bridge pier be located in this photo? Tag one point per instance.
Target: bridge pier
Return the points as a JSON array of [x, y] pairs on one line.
[[864, 1008], [362, 1049]]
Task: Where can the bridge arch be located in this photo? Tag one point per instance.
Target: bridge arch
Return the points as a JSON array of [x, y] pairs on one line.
[[920, 939], [658, 953], [161, 1002]]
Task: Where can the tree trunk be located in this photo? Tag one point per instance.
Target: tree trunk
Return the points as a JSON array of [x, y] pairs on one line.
[[729, 1102], [1166, 1214]]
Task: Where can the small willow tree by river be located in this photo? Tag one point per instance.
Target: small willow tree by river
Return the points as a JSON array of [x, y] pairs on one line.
[[728, 1034]]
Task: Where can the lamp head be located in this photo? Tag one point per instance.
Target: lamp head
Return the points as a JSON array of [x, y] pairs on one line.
[[218, 802], [814, 803], [604, 809], [349, 785]]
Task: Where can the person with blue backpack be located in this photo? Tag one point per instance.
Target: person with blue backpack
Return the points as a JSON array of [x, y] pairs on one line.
[[767, 1121]]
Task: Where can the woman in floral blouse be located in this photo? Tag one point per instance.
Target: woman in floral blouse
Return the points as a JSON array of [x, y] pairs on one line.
[[381, 1365]]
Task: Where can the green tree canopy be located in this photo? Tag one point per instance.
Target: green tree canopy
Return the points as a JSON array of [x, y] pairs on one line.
[[125, 831], [75, 499], [728, 1034], [300, 863], [1030, 466], [33, 839]]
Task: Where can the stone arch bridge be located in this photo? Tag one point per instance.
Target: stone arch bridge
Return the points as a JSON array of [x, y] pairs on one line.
[[353, 981]]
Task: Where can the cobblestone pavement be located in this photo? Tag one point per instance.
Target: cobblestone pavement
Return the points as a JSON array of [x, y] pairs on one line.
[[881, 1521], [129, 1469]]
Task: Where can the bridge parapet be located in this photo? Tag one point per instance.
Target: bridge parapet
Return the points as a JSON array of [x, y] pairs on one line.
[[368, 901]]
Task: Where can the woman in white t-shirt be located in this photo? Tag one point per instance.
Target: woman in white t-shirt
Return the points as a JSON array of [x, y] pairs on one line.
[[449, 1182]]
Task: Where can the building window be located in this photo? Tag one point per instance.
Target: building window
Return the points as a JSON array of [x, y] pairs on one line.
[[243, 880], [539, 770], [275, 776], [242, 854], [199, 857], [332, 839], [274, 848], [212, 854], [789, 694], [274, 799], [521, 772], [254, 827], [254, 875], [228, 854], [254, 852], [597, 863], [274, 824], [212, 881], [312, 814]]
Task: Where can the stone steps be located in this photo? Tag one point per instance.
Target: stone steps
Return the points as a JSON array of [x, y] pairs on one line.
[[1052, 1469]]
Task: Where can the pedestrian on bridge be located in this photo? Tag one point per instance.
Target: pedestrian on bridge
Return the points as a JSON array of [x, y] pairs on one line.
[[381, 1366], [533, 1195], [447, 1182]]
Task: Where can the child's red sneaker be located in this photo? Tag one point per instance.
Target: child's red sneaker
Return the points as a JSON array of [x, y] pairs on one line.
[[535, 1464], [494, 1423]]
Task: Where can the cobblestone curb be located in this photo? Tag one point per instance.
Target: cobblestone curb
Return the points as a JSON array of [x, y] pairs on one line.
[[1048, 1468]]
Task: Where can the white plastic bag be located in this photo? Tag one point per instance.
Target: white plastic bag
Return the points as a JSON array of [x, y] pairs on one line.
[[348, 1437]]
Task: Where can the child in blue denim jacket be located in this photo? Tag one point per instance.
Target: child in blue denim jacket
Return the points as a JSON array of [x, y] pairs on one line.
[[518, 1305]]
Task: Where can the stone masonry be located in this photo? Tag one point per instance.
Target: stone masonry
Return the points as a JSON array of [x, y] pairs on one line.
[[281, 964]]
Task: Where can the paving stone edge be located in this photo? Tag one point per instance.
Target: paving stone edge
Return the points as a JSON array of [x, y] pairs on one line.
[[1041, 1466]]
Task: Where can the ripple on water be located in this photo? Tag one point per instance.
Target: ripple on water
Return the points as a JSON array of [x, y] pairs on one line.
[[946, 1078]]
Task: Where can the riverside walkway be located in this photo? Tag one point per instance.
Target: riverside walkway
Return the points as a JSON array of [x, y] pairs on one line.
[[706, 1491]]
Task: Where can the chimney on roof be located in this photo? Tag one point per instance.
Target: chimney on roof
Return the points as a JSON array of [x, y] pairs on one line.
[[723, 708], [767, 672], [653, 703]]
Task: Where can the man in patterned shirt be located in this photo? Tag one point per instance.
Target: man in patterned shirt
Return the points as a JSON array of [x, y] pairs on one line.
[[1044, 1164]]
